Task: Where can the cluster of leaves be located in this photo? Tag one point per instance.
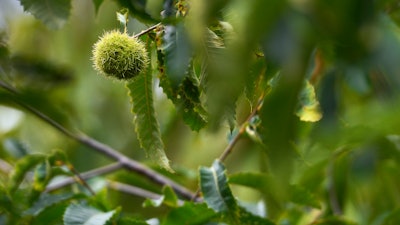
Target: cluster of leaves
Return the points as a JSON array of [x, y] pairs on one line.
[[322, 82]]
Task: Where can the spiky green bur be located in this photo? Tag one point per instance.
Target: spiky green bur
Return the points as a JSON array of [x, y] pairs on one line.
[[120, 56]]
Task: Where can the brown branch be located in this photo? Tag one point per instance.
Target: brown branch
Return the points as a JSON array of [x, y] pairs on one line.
[[84, 176], [242, 130], [147, 30], [106, 150], [240, 133], [132, 190]]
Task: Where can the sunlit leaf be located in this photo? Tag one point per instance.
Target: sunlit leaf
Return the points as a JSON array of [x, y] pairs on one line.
[[22, 166], [146, 124], [123, 17], [41, 176], [308, 109], [77, 214], [52, 13]]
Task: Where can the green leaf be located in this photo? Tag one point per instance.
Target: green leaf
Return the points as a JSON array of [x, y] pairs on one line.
[[51, 215], [245, 217], [146, 124], [22, 167], [137, 9], [41, 176], [190, 214], [123, 17], [48, 200], [39, 100], [186, 97], [97, 4], [178, 52], [303, 196], [168, 198], [308, 108], [214, 186], [333, 221], [52, 13], [218, 196], [77, 214], [131, 221], [257, 181]]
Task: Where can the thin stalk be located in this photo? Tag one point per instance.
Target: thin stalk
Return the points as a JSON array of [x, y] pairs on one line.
[[106, 150]]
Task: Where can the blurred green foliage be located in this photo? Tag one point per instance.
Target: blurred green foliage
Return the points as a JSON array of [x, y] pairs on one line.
[[304, 92]]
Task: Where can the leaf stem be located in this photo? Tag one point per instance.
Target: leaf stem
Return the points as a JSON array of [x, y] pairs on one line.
[[242, 130], [106, 150], [147, 30]]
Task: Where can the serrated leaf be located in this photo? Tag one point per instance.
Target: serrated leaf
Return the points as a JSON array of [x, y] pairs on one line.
[[214, 186], [78, 214], [186, 97], [177, 50], [22, 167], [218, 196], [308, 109], [146, 124], [52, 13], [190, 214]]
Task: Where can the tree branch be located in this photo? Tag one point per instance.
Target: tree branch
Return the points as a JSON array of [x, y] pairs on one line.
[[106, 150], [147, 30], [132, 190], [84, 176], [242, 130]]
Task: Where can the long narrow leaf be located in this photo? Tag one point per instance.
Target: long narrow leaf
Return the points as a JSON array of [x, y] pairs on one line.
[[146, 124], [214, 185], [218, 196]]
